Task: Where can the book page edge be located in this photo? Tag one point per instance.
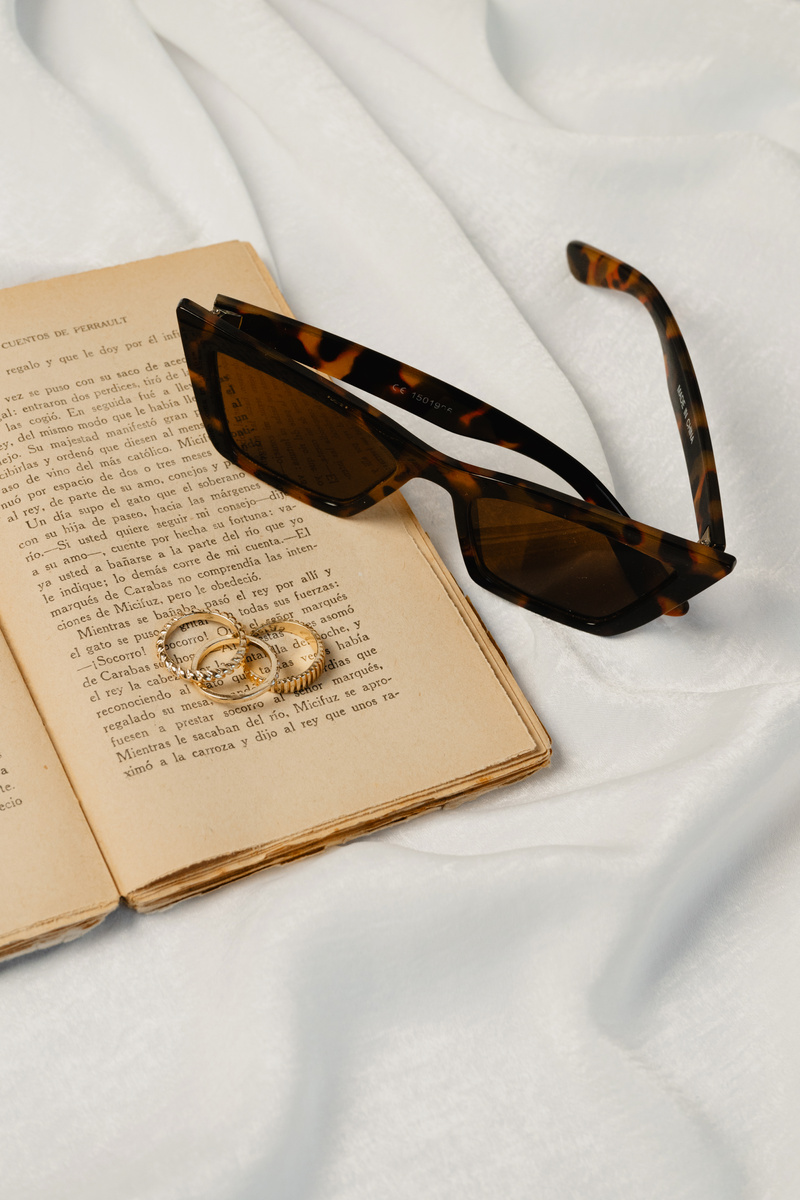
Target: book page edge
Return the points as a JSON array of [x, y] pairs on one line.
[[203, 877], [54, 931]]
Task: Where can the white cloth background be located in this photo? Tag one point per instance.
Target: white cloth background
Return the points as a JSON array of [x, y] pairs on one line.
[[585, 985]]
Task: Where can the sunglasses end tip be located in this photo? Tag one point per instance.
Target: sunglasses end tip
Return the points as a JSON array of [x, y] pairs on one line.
[[577, 261], [680, 611]]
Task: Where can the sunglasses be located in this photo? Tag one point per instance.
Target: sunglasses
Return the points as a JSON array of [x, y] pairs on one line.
[[264, 385]]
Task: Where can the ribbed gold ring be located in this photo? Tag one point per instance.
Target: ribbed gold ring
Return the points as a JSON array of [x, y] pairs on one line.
[[245, 697], [211, 674], [294, 683]]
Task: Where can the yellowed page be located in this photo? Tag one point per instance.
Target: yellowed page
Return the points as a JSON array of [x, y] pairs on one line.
[[117, 511], [53, 880]]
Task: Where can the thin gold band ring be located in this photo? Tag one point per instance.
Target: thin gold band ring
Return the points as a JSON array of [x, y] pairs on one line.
[[265, 683]]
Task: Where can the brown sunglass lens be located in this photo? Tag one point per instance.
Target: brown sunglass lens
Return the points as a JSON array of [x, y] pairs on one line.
[[560, 562], [298, 437]]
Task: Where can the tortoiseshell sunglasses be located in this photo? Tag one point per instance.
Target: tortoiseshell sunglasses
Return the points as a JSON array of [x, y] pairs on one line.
[[584, 562]]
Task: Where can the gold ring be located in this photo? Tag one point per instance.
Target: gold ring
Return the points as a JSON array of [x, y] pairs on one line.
[[211, 674], [245, 697], [294, 683]]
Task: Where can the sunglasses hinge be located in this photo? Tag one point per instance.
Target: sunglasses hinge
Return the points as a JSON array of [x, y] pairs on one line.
[[230, 318]]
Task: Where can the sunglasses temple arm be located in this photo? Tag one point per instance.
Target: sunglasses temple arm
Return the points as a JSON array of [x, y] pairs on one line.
[[596, 269], [412, 390]]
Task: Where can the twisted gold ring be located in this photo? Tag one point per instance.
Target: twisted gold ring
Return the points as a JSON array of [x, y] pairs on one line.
[[210, 674]]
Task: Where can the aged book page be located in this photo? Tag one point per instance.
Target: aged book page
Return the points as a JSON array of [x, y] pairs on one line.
[[54, 883], [115, 511]]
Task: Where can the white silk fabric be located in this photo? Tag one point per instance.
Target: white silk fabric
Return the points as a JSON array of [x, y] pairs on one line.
[[585, 985]]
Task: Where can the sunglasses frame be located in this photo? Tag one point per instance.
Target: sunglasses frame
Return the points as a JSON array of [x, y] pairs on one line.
[[297, 353]]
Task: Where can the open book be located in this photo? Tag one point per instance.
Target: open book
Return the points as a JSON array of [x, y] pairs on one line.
[[117, 780]]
